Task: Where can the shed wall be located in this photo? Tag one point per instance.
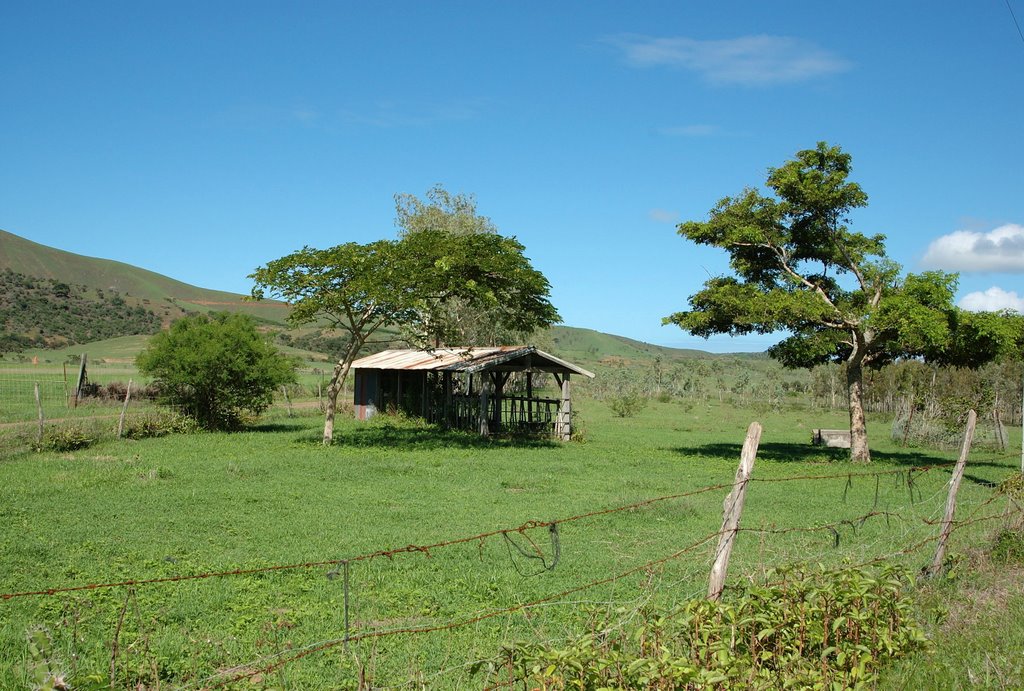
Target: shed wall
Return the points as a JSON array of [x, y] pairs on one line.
[[366, 393]]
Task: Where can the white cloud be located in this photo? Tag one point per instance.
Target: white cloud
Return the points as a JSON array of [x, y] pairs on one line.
[[1001, 249], [663, 216], [748, 60], [994, 299]]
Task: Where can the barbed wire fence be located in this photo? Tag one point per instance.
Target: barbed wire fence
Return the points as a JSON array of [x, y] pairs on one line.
[[340, 618]]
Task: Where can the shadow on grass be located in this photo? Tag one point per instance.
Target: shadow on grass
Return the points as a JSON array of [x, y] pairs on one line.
[[430, 437], [805, 453], [275, 427]]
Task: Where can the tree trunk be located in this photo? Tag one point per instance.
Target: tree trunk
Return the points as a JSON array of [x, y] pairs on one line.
[[859, 452], [334, 387]]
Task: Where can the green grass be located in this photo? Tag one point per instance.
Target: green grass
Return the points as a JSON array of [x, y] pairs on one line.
[[273, 495]]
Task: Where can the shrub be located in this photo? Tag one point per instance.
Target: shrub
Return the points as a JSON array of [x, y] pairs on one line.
[[811, 629], [217, 368], [1013, 486], [1008, 547], [65, 438], [157, 423], [627, 404]]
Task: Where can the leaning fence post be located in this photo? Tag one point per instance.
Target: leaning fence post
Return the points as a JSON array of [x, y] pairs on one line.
[[287, 400], [39, 409], [124, 409], [733, 507], [954, 485]]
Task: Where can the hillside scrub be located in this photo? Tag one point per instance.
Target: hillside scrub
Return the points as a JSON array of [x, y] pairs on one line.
[[38, 312]]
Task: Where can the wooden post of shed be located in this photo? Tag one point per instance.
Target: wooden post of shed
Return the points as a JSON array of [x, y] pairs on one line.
[[563, 422], [529, 397], [447, 382], [485, 430], [498, 379]]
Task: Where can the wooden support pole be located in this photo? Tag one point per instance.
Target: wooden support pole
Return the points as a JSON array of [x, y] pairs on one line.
[[124, 409], [485, 430], [39, 409], [447, 379], [954, 486], [733, 508], [529, 396]]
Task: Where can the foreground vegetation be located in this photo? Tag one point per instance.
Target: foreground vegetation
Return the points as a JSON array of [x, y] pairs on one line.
[[183, 505]]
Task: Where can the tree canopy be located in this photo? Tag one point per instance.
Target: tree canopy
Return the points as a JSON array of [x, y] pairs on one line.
[[441, 210], [798, 268], [406, 283], [216, 368], [454, 320]]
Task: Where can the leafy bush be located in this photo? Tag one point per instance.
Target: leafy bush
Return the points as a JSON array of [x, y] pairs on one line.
[[810, 629], [157, 423], [1008, 547], [216, 368], [627, 404], [65, 438], [1012, 486]]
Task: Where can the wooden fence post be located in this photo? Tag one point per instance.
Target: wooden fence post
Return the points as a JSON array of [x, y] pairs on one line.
[[954, 485], [124, 409], [81, 380], [39, 409], [733, 507], [287, 400]]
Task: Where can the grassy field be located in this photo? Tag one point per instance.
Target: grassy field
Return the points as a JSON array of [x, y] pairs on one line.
[[188, 505]]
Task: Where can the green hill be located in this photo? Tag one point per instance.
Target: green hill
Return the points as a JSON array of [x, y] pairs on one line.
[[138, 292], [165, 296]]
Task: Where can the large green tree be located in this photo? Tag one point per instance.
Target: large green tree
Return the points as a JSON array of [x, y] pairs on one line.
[[405, 283], [455, 321], [216, 368], [798, 268]]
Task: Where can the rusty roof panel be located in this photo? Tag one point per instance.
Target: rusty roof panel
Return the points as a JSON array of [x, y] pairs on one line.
[[460, 359]]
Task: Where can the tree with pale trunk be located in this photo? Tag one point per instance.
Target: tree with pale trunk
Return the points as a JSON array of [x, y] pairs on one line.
[[798, 268]]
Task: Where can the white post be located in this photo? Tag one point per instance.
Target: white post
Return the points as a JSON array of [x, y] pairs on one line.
[[954, 486], [39, 409], [732, 509], [124, 409]]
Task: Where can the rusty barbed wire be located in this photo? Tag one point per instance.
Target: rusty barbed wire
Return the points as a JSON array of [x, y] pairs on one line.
[[426, 549], [327, 645]]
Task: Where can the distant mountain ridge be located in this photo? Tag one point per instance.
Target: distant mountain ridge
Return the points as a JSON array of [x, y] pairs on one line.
[[165, 296], [170, 299]]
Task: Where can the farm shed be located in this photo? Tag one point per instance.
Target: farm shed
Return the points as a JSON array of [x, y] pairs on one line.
[[468, 388]]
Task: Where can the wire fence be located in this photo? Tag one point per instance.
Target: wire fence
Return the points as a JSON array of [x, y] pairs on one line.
[[435, 614]]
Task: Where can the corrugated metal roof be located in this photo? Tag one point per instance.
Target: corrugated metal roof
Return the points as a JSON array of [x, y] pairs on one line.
[[459, 359]]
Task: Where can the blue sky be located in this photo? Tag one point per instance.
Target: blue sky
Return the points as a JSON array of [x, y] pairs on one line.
[[201, 140]]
